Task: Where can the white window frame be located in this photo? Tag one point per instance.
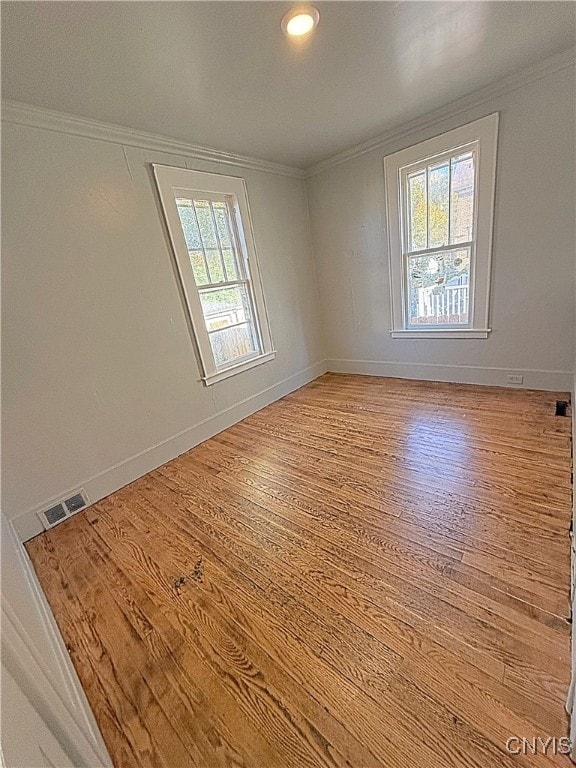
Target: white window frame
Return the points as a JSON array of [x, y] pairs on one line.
[[175, 182], [480, 136]]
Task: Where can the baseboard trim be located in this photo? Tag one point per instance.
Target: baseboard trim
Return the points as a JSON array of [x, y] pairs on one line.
[[28, 524], [555, 381]]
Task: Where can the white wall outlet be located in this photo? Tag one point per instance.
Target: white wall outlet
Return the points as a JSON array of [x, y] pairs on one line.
[[514, 378]]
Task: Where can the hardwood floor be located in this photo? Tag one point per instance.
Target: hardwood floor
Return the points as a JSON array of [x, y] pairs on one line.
[[369, 572]]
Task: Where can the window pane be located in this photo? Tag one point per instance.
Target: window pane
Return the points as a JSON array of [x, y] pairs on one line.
[[417, 227], [462, 203], [193, 240], [232, 343], [230, 322], [223, 307], [189, 224], [199, 267], [208, 234], [223, 228], [438, 193], [215, 265], [438, 288], [229, 257], [206, 224], [221, 217]]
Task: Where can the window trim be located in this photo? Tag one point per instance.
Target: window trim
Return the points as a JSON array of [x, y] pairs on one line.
[[172, 182], [483, 134]]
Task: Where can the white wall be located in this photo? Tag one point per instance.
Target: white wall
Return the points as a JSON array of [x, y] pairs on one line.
[[43, 704], [100, 379], [27, 742], [532, 303]]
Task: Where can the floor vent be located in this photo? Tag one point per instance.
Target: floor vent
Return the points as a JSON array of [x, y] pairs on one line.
[[63, 509], [74, 503], [562, 407]]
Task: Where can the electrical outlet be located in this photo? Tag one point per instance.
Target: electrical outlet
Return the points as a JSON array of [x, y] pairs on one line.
[[514, 378]]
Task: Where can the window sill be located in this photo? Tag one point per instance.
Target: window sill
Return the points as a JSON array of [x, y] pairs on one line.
[[437, 333], [234, 369]]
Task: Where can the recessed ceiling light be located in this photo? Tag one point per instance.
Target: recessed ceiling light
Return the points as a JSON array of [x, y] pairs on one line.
[[300, 21]]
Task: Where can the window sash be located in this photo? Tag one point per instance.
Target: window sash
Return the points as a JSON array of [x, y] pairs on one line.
[[481, 137], [440, 249], [423, 165], [240, 258], [251, 321], [242, 268], [177, 183], [406, 172], [406, 258]]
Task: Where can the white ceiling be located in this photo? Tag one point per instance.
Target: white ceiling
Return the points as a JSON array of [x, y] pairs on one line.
[[223, 75]]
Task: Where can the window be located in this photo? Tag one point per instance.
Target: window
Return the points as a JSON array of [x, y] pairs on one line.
[[209, 224], [440, 202]]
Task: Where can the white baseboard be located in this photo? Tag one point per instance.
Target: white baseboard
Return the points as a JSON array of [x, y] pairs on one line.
[[28, 524], [555, 381]]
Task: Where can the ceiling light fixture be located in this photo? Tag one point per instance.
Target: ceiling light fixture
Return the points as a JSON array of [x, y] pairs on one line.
[[300, 21]]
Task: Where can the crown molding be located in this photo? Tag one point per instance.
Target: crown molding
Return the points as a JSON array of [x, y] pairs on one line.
[[60, 122], [38, 117], [564, 60]]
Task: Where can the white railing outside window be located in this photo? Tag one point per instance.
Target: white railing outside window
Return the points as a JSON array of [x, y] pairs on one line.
[[449, 304]]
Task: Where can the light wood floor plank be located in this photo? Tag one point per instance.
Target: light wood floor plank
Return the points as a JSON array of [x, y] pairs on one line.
[[369, 572]]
